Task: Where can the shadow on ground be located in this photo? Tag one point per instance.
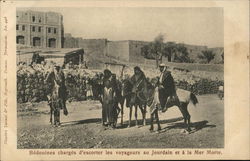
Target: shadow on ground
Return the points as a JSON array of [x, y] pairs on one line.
[[196, 126], [87, 121], [140, 122]]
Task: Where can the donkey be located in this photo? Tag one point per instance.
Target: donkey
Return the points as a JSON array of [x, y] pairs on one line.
[[181, 100], [56, 105]]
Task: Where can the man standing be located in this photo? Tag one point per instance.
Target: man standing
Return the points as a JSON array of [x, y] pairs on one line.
[[166, 86], [109, 104]]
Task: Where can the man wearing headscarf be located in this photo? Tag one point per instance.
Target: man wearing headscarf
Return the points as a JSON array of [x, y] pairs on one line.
[[57, 76], [139, 82], [166, 86], [108, 100]]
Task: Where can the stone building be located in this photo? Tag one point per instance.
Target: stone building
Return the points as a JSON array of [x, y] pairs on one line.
[[69, 41], [127, 50], [39, 29], [90, 46]]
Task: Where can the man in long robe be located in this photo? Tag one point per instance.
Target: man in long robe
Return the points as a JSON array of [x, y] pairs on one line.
[[139, 82], [166, 86], [57, 76], [109, 103]]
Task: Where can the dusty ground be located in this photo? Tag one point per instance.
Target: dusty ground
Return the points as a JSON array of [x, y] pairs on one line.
[[82, 128]]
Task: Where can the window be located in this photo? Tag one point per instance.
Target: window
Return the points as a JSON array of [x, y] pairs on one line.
[[49, 30], [20, 39], [54, 30], [17, 27], [39, 29], [33, 18], [33, 28], [40, 20], [23, 27]]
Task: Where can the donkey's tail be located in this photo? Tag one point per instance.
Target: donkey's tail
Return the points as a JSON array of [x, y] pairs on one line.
[[193, 98]]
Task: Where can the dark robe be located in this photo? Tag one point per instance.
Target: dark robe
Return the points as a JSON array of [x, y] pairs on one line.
[[60, 80], [168, 90], [109, 104], [139, 90]]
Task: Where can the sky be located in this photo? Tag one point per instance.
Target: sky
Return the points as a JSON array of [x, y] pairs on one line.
[[197, 26]]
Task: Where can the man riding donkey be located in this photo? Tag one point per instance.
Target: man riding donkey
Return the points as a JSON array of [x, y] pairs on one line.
[[139, 94], [109, 100], [56, 93], [165, 92]]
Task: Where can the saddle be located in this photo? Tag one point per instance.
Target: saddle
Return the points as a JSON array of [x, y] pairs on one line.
[[171, 101]]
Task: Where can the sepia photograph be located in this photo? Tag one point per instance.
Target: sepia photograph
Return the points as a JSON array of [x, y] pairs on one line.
[[120, 77], [127, 80]]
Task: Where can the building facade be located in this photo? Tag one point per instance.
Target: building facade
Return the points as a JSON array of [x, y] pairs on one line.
[[127, 50], [39, 29], [130, 50]]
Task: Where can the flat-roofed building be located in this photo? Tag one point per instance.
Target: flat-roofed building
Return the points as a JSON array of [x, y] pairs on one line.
[[39, 29]]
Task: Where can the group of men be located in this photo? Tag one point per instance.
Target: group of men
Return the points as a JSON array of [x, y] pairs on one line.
[[109, 95]]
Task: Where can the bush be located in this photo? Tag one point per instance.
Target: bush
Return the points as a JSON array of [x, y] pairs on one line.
[[30, 86]]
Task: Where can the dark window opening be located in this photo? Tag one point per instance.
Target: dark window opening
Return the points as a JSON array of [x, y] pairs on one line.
[[33, 18], [40, 20], [52, 42], [39, 29], [33, 28], [20, 39], [49, 30], [23, 27], [54, 30], [36, 41], [17, 27]]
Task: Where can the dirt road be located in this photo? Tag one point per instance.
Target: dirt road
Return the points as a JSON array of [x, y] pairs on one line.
[[82, 128]]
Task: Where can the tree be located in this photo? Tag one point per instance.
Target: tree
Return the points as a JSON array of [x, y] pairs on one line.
[[157, 48], [181, 54], [168, 50], [154, 49], [208, 55]]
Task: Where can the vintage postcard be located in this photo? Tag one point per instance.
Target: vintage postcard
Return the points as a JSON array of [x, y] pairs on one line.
[[115, 80]]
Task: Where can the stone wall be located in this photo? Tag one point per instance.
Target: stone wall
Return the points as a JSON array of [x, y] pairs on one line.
[[93, 46], [119, 50], [130, 50], [135, 51]]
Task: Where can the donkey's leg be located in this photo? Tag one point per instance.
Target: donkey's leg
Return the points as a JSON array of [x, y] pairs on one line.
[[157, 120], [55, 116], [151, 122], [59, 122], [142, 108], [136, 120], [183, 112], [51, 112], [130, 115], [188, 117], [144, 114], [122, 106]]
